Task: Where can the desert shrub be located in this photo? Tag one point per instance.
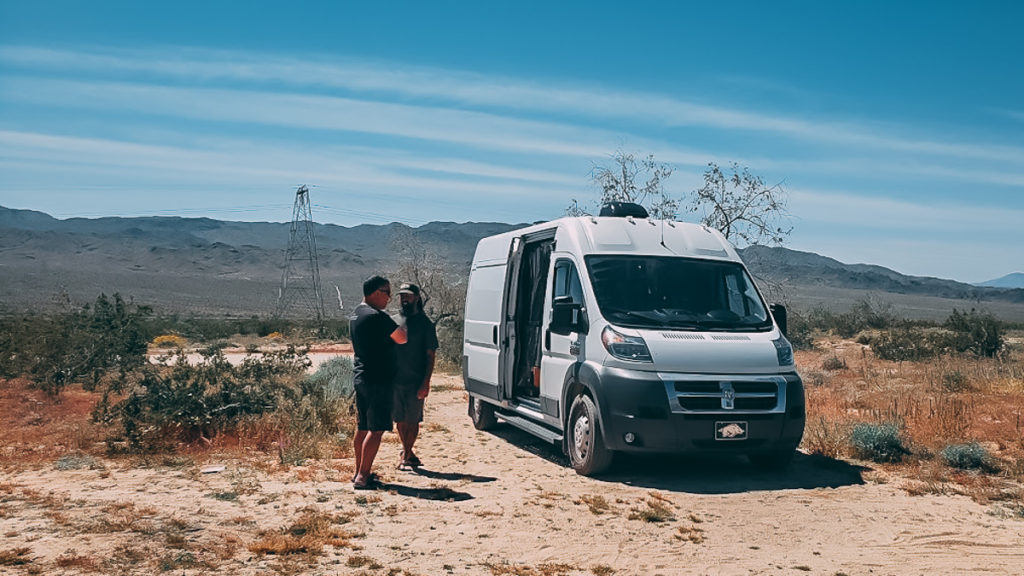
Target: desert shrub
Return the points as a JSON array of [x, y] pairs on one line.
[[169, 341], [972, 456], [449, 341], [78, 344], [905, 343], [322, 410], [954, 381], [878, 442], [799, 331], [186, 402], [833, 362], [825, 437], [981, 334]]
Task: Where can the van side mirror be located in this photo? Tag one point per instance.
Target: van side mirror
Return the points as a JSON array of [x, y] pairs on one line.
[[567, 317], [779, 313]]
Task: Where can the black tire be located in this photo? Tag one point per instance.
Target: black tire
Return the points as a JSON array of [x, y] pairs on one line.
[[482, 414], [772, 460], [587, 451]]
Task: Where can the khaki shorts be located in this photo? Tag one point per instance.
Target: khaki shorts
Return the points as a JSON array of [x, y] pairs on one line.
[[406, 407]]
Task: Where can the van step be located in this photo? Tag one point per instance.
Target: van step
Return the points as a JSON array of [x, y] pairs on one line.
[[532, 427]]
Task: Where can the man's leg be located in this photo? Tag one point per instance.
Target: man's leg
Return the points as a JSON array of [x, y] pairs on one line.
[[357, 447], [403, 435], [412, 430], [370, 446]]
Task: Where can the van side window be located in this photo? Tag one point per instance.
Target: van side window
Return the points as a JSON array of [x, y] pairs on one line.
[[567, 282]]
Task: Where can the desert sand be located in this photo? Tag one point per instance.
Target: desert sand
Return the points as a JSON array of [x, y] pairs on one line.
[[497, 502]]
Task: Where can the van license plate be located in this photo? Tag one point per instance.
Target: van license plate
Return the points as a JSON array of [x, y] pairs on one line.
[[730, 430]]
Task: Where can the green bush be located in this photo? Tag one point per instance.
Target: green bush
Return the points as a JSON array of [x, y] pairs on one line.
[[799, 331], [981, 334], [878, 442], [905, 342], [972, 456], [187, 402], [320, 412], [83, 344]]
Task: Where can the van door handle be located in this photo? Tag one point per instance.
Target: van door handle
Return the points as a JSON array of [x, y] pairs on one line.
[[494, 335], [547, 340]]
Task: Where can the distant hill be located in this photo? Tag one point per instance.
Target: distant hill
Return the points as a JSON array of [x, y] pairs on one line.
[[206, 266], [1014, 280]]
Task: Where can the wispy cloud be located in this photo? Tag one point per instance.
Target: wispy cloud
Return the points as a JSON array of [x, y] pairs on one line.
[[389, 80]]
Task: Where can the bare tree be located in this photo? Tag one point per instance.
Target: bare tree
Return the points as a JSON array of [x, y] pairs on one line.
[[741, 206], [443, 289], [632, 179]]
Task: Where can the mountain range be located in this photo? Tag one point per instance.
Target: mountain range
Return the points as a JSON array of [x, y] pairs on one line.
[[205, 266], [1014, 280]]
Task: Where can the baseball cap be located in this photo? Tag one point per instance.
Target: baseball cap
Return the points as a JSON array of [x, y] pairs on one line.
[[409, 288]]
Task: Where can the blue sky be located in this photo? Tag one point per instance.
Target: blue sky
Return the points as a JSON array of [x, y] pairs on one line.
[[897, 128]]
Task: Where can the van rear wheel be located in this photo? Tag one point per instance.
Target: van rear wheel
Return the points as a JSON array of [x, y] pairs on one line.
[[587, 451], [482, 414]]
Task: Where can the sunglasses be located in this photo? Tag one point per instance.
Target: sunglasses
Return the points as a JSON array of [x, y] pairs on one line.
[[385, 290]]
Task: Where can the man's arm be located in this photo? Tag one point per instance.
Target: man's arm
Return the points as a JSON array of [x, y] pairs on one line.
[[425, 388]]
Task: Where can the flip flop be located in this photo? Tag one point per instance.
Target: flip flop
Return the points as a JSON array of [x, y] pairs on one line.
[[405, 466], [414, 462]]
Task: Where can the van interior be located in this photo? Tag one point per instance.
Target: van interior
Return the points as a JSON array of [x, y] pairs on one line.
[[529, 317]]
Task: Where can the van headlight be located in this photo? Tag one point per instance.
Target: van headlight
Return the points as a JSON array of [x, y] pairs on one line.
[[625, 347], [783, 351]]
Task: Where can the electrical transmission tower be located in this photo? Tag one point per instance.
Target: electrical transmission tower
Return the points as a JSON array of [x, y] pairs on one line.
[[300, 281]]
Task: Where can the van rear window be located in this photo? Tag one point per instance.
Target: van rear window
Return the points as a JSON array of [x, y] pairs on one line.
[[676, 293]]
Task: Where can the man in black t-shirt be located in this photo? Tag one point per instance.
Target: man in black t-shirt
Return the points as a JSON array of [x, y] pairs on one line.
[[414, 359], [373, 370]]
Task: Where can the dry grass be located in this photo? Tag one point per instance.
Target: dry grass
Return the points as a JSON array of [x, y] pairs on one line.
[[308, 534], [72, 560], [690, 534], [656, 508], [547, 569], [949, 400], [597, 504], [15, 556]]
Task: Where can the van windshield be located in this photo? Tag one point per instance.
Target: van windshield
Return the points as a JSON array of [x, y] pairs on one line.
[[676, 293]]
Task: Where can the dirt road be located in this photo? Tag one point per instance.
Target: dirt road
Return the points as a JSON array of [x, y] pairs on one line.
[[496, 503]]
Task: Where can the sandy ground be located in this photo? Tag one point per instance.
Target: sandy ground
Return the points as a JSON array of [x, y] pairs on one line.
[[496, 502]]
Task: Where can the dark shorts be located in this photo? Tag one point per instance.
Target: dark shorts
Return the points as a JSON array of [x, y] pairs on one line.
[[407, 408], [373, 407]]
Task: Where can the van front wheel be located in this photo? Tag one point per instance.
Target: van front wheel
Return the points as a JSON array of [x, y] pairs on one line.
[[482, 414], [587, 451]]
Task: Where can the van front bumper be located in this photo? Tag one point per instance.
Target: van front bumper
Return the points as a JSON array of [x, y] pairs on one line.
[[652, 412]]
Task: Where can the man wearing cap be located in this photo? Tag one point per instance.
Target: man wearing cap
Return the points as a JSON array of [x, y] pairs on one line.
[[373, 372], [416, 345]]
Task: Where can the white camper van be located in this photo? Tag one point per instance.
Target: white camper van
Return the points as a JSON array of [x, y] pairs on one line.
[[624, 333]]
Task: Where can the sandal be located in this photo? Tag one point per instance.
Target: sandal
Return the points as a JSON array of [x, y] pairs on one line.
[[414, 462], [373, 477], [371, 483], [405, 466]]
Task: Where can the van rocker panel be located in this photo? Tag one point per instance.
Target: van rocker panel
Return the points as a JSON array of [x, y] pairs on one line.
[[646, 405]]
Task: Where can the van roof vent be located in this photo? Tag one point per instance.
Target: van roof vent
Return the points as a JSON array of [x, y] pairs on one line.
[[623, 209]]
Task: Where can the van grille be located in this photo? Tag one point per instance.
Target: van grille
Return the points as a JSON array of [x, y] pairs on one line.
[[728, 395], [729, 337]]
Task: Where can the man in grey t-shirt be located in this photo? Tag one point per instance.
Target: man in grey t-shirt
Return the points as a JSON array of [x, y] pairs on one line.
[[416, 344]]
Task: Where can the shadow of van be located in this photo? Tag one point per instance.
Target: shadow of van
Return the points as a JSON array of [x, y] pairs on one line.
[[702, 474]]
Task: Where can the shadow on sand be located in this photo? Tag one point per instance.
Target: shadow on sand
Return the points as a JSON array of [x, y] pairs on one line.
[[451, 476], [441, 494], [725, 474]]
